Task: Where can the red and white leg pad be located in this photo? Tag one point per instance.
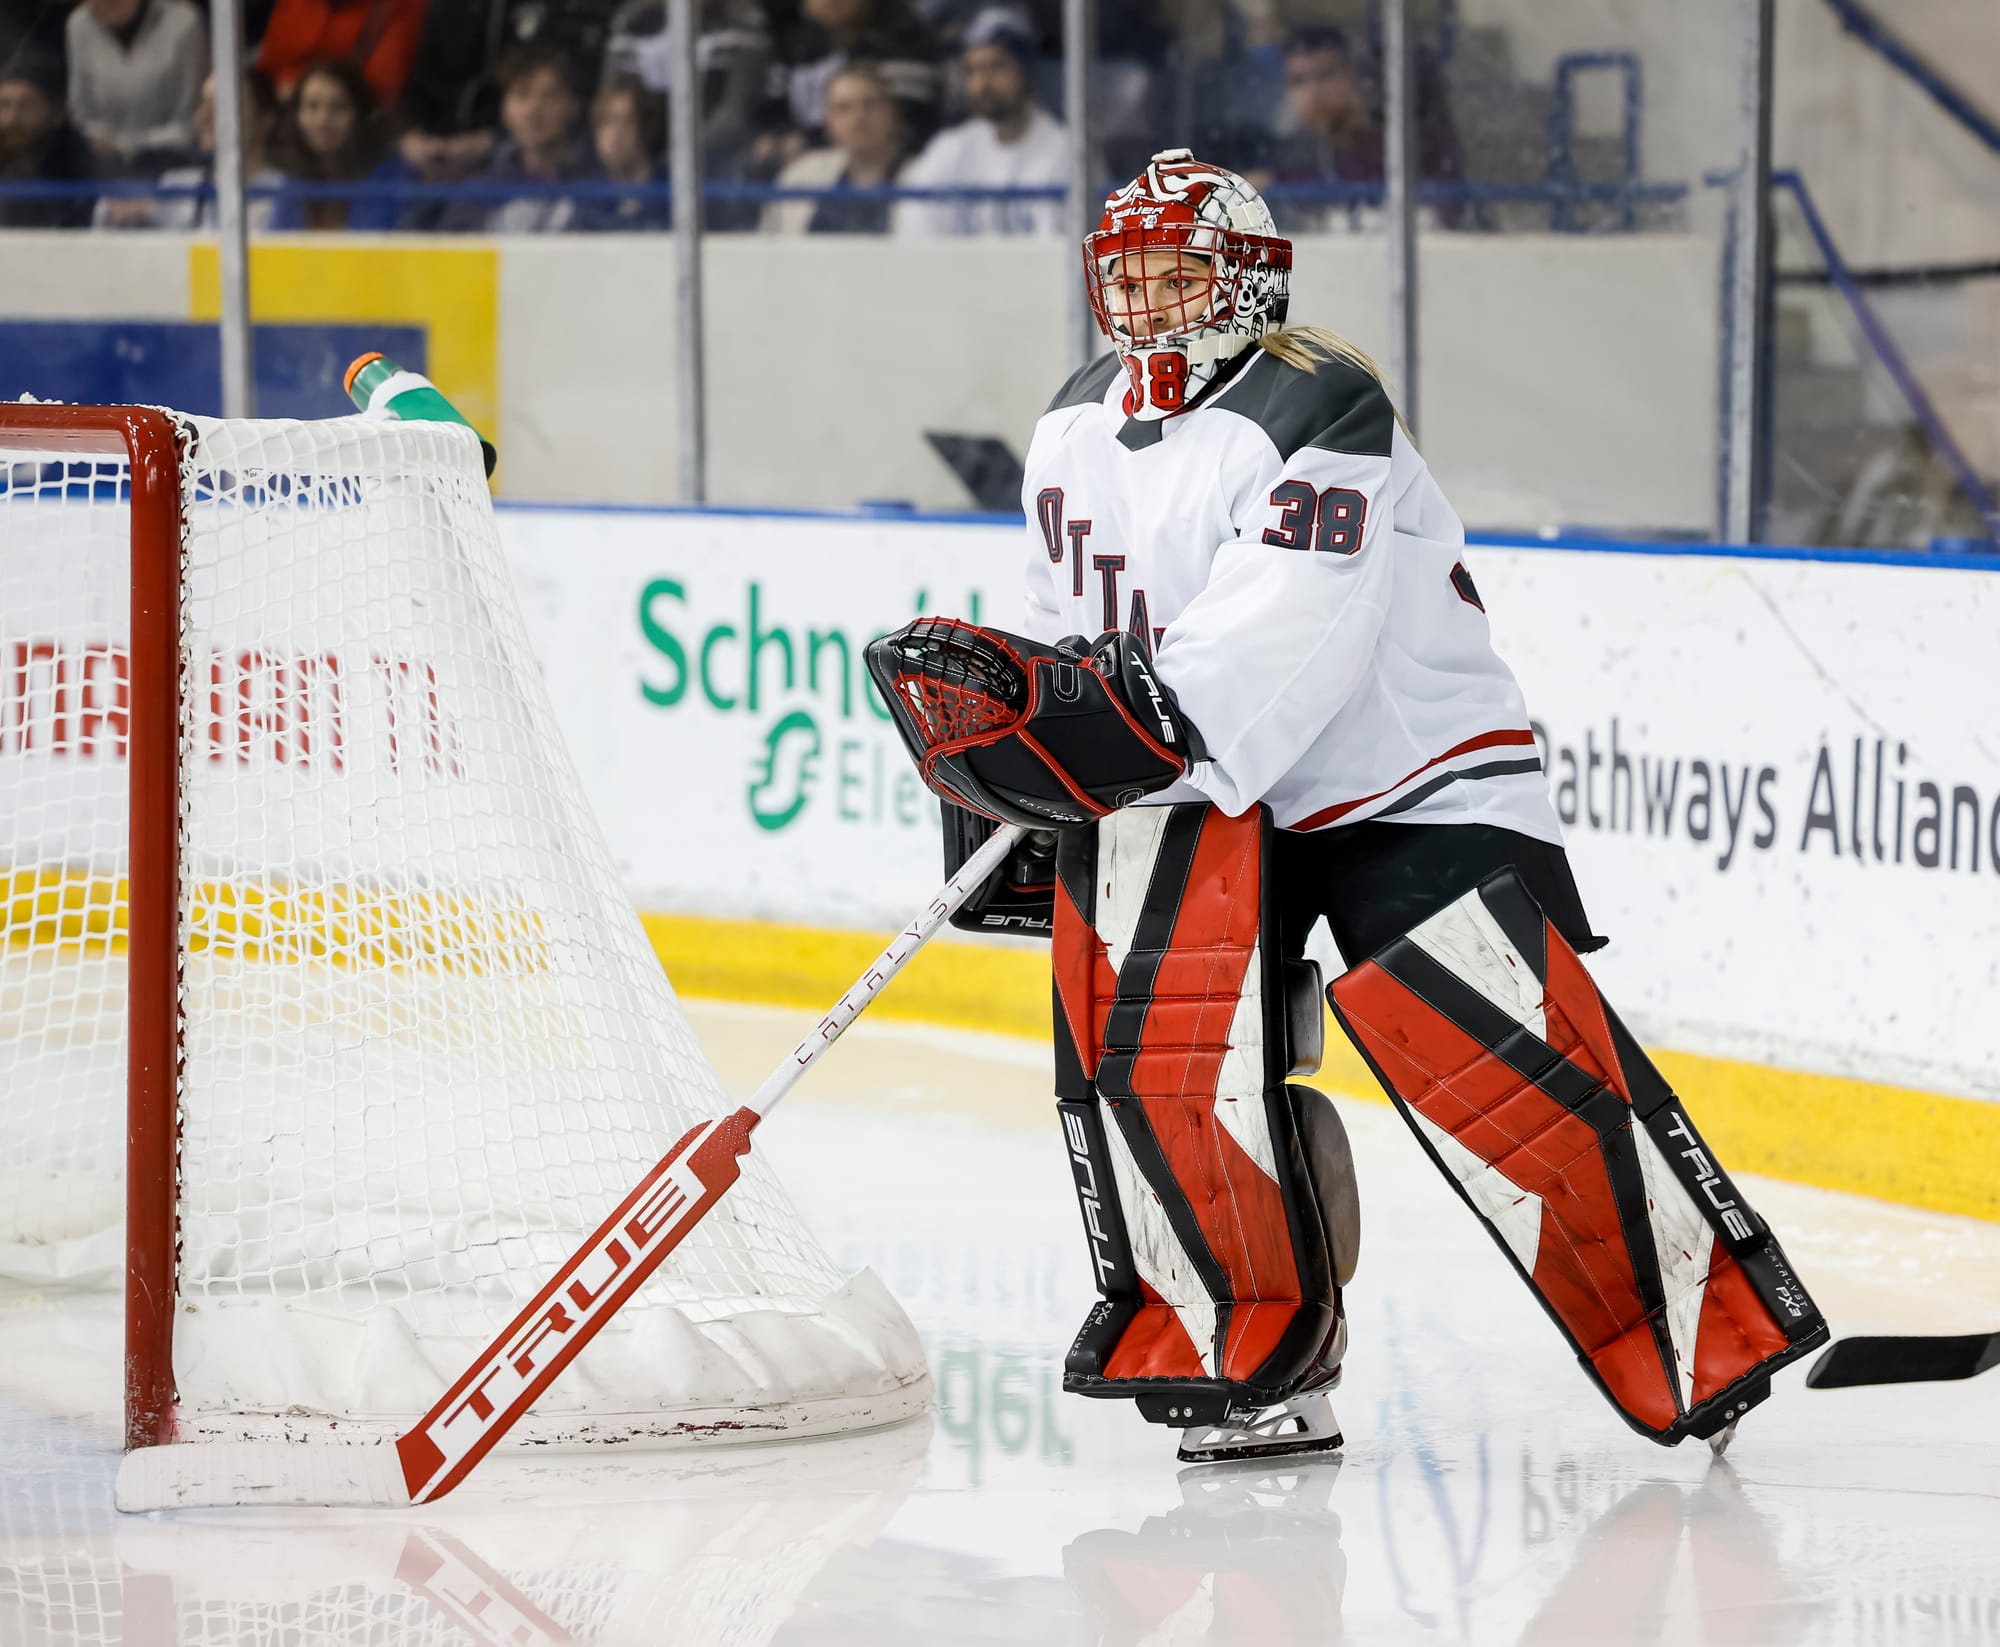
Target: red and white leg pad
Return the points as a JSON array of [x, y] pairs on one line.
[[1205, 1232], [1540, 1107]]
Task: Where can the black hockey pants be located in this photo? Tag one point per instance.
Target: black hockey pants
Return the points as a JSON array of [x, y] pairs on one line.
[[1374, 881]]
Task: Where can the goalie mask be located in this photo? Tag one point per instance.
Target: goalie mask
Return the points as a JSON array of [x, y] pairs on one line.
[[1186, 270]]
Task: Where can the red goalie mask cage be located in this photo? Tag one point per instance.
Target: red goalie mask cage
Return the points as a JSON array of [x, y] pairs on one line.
[[1142, 288]]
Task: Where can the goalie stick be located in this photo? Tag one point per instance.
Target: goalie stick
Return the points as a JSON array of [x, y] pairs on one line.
[[1904, 1360], [485, 1402]]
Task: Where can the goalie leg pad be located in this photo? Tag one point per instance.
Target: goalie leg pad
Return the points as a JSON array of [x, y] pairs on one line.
[[1199, 1208], [1538, 1104]]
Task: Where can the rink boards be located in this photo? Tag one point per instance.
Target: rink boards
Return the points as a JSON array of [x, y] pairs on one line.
[[1776, 774]]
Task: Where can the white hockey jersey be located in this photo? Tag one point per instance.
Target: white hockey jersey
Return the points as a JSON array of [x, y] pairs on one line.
[[1297, 572]]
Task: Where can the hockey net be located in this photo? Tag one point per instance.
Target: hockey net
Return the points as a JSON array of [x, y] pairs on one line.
[[303, 911]]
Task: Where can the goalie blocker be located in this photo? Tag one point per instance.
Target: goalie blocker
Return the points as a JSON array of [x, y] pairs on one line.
[[1536, 1102], [1021, 898], [1218, 1202]]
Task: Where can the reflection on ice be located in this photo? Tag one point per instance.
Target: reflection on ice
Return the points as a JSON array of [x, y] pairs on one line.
[[1487, 1495], [1630, 1571], [712, 1549], [1250, 1554]]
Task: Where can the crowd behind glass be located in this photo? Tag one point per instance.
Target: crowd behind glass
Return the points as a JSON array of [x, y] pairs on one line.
[[813, 111]]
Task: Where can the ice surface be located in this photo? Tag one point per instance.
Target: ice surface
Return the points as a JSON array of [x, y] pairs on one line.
[[1487, 1493]]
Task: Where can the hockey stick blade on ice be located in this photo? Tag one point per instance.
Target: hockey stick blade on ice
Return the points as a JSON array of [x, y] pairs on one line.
[[1855, 1361], [524, 1360]]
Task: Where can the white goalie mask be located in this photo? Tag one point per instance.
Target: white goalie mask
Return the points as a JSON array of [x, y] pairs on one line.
[[1186, 270]]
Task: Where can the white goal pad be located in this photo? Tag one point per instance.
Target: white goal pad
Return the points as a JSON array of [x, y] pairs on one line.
[[303, 911]]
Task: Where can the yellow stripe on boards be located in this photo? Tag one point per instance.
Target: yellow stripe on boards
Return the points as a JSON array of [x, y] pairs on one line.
[[276, 923], [51, 905], [453, 292], [960, 986], [1922, 1149]]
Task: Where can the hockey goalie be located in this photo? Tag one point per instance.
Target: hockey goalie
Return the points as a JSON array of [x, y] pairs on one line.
[[1292, 710]]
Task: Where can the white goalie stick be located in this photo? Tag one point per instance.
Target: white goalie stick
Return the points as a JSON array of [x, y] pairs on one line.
[[486, 1401]]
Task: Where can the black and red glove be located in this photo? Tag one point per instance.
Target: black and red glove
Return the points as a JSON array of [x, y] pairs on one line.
[[1030, 734]]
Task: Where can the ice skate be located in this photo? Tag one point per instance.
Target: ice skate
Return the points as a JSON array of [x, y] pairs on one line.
[[1304, 1424]]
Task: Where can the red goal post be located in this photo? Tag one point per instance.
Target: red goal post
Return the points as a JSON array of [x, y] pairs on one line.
[[150, 445]]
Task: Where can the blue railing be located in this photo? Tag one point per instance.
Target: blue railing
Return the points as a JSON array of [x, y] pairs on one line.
[[1557, 193], [1562, 129], [1970, 482], [1872, 32], [400, 192]]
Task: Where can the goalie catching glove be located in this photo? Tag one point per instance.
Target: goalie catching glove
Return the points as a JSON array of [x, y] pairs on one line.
[[1030, 734]]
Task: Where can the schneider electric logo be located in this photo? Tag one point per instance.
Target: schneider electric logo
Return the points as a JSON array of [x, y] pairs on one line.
[[803, 730], [783, 784]]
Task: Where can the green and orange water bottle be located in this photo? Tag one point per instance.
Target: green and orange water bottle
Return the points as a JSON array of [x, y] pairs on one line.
[[377, 384]]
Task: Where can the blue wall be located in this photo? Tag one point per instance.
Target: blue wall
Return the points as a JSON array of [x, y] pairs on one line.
[[179, 363]]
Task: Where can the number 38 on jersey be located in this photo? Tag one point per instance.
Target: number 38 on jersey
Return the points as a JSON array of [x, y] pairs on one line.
[[1328, 520]]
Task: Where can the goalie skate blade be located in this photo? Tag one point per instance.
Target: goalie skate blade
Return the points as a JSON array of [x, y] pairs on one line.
[[1856, 1361], [1304, 1424], [215, 1475]]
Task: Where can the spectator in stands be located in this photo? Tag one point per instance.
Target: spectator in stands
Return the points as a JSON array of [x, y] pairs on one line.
[[1333, 108], [453, 140], [135, 74], [833, 33], [1010, 142], [332, 134], [39, 145], [451, 105], [1208, 30], [378, 36], [732, 51], [628, 133], [261, 118], [539, 113], [1134, 39], [864, 150]]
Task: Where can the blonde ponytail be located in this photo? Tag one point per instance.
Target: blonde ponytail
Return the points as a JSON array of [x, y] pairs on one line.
[[1309, 347]]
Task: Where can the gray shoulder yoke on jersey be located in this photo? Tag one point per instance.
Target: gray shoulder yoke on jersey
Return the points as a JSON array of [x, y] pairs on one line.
[[1086, 384], [1337, 408], [1086, 387]]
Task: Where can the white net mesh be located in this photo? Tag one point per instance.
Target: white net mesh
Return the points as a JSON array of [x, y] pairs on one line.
[[426, 1044]]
